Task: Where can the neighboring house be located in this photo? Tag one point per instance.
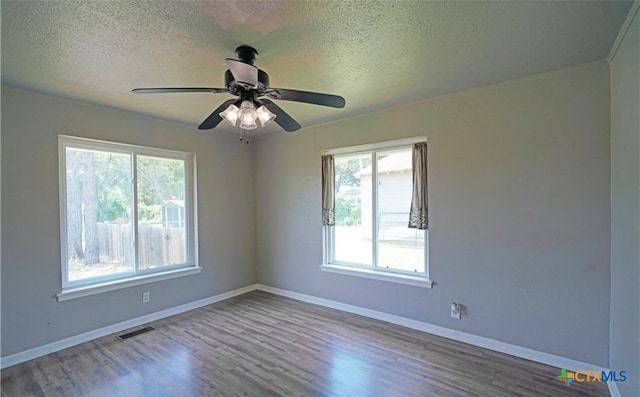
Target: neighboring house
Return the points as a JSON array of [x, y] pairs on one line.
[[394, 197], [173, 213]]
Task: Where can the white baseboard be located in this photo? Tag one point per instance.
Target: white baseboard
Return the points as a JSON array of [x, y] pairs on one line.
[[491, 344], [39, 351]]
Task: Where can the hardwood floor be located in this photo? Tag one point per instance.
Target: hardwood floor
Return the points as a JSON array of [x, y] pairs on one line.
[[260, 344]]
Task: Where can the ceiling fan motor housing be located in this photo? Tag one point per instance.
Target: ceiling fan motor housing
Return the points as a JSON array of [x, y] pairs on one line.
[[229, 82], [247, 54]]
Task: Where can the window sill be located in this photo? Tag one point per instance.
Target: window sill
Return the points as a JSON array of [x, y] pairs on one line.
[[416, 281], [112, 285]]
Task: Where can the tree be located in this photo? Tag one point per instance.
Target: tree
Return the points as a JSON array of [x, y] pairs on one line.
[[74, 205], [347, 213], [347, 171], [90, 201], [159, 180], [113, 180]]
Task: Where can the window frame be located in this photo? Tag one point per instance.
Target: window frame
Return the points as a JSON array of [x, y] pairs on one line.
[[329, 263], [79, 288]]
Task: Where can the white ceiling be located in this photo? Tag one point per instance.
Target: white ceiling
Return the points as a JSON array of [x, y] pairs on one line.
[[375, 54]]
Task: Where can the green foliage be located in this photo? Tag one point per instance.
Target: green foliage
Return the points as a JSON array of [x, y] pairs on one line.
[[356, 216], [347, 213], [116, 205], [113, 181], [160, 180], [343, 209], [346, 171], [150, 213], [347, 184]]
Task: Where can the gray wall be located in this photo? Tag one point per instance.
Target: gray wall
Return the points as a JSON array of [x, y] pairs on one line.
[[625, 211], [519, 223], [31, 316], [519, 195]]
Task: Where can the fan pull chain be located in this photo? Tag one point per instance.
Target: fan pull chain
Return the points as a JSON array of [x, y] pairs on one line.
[[244, 133]]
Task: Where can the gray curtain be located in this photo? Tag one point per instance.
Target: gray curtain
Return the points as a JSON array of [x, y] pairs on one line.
[[328, 199], [418, 214]]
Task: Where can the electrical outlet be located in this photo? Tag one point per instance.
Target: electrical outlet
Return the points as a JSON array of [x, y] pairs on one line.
[[146, 297], [455, 311]]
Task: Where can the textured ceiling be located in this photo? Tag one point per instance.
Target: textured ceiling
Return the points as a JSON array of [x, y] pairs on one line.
[[374, 53]]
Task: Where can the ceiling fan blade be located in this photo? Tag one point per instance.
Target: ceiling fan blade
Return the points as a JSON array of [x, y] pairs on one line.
[[214, 118], [243, 73], [282, 118], [178, 89], [315, 98]]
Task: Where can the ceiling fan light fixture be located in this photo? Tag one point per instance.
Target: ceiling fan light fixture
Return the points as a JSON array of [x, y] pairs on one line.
[[265, 116], [248, 125], [230, 114], [248, 115]]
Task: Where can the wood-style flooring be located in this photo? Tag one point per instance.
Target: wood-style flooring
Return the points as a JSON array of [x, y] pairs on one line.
[[259, 344]]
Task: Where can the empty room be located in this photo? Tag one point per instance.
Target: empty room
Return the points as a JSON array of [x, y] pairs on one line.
[[320, 198]]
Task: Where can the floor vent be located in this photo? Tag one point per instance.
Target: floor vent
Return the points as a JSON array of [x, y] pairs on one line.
[[135, 333]]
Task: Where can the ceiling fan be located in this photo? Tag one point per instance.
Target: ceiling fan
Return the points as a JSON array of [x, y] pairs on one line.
[[251, 86]]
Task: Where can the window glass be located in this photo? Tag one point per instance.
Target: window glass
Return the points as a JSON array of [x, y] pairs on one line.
[[113, 231], [161, 229], [399, 247], [373, 191], [98, 203], [352, 231]]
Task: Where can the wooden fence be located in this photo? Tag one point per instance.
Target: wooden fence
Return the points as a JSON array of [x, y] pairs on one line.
[[158, 245]]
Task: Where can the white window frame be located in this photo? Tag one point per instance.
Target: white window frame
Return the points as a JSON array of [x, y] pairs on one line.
[[80, 288], [329, 263]]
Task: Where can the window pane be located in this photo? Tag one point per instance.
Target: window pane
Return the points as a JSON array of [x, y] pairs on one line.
[[161, 212], [399, 247], [352, 231], [98, 200]]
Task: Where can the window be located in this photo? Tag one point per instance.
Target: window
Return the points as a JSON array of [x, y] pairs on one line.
[[127, 212], [372, 193]]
